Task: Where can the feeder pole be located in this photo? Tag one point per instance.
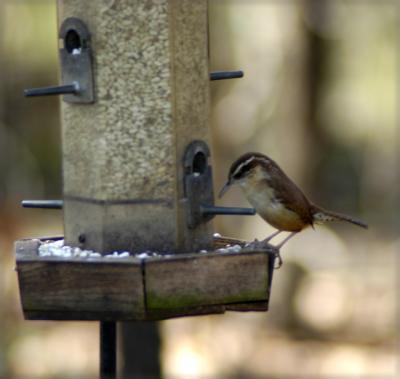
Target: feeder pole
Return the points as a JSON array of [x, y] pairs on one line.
[[108, 350]]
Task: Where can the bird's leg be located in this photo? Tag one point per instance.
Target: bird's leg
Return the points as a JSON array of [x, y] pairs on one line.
[[271, 236], [264, 243], [286, 239], [278, 247], [277, 255], [256, 244]]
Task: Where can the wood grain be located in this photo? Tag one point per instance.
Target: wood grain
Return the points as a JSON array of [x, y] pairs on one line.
[[95, 289], [206, 279], [156, 288]]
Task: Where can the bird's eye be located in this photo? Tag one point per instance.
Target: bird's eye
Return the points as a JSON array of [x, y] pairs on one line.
[[238, 174]]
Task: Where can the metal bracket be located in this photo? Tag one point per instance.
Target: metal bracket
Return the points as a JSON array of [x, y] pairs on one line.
[[198, 187], [76, 59], [76, 65], [197, 182]]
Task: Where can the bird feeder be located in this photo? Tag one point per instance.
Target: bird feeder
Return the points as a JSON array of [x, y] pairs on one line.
[[137, 173]]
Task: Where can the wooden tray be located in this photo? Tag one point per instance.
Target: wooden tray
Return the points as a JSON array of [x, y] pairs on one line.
[[152, 288]]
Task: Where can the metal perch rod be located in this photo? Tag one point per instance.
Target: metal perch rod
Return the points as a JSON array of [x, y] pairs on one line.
[[47, 204], [205, 209], [75, 89], [220, 75], [56, 90], [211, 210]]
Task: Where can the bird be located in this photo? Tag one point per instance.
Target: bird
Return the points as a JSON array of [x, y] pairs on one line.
[[277, 199]]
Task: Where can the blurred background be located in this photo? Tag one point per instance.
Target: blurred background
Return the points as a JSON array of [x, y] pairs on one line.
[[319, 96]]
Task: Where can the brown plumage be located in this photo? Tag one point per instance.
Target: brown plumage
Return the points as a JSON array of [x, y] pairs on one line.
[[276, 198]]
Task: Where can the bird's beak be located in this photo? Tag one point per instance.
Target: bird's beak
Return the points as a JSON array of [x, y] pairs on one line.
[[224, 189]]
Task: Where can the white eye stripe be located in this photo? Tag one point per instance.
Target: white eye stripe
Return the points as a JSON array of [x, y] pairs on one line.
[[239, 168], [247, 161]]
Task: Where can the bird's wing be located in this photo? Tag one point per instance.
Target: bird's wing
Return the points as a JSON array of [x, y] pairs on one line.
[[292, 197]]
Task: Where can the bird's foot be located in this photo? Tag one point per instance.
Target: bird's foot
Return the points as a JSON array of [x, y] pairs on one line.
[[256, 245], [279, 259]]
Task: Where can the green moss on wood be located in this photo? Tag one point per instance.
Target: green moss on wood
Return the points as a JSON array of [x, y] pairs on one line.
[[154, 301]]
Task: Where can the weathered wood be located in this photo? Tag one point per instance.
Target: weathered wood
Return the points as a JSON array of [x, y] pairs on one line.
[[78, 288], [206, 279], [142, 289], [254, 306]]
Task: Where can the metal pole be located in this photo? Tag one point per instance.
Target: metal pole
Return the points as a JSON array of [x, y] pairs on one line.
[[108, 350], [140, 350]]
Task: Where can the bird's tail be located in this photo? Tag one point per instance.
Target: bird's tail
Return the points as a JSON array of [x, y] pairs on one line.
[[321, 215]]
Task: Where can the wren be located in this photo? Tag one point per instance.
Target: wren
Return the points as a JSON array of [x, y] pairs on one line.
[[276, 198]]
